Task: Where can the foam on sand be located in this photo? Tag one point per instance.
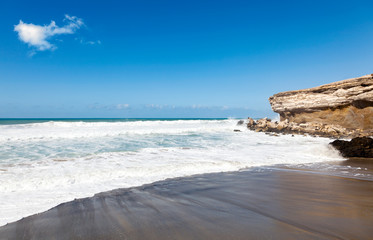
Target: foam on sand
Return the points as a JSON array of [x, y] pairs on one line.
[[44, 164]]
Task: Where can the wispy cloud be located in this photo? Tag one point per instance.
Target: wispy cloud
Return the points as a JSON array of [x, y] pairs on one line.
[[98, 42], [119, 106], [166, 110], [159, 106], [38, 37], [122, 106]]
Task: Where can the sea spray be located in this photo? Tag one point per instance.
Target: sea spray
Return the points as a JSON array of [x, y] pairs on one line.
[[44, 164]]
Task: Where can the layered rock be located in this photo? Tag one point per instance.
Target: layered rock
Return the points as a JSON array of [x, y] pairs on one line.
[[347, 103], [314, 129]]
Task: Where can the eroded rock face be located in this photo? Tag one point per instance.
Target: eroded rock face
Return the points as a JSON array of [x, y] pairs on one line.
[[313, 129], [347, 103]]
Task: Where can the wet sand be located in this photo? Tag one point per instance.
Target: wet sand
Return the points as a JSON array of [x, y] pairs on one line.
[[277, 203]]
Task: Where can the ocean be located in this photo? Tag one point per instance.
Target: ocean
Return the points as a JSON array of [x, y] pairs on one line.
[[45, 162]]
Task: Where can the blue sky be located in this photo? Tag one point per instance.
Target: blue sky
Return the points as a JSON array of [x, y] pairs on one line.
[[174, 58]]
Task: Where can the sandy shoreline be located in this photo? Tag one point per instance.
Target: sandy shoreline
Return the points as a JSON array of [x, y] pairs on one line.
[[276, 203]]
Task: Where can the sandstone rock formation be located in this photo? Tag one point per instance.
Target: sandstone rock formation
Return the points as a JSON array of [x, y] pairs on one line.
[[347, 103], [339, 109], [314, 129]]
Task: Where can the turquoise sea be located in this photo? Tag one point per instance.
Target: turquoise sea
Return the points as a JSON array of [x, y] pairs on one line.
[[44, 162]]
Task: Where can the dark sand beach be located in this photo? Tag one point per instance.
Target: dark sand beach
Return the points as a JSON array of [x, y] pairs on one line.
[[259, 203]]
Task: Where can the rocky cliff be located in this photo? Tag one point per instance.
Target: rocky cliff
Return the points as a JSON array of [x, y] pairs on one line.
[[347, 103]]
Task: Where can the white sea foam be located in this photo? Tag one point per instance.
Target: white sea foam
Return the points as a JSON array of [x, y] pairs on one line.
[[44, 164], [71, 130]]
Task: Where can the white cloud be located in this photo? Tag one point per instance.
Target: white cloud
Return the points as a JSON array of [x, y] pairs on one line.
[[159, 106], [82, 41], [198, 107], [98, 42], [122, 106], [155, 106], [38, 36]]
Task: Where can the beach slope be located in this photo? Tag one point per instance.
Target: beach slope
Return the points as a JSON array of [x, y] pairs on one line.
[[274, 203]]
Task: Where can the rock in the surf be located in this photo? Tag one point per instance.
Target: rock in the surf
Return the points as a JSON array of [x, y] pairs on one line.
[[361, 147]]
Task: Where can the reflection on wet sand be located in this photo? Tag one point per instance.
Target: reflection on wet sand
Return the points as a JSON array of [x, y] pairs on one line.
[[366, 163], [255, 204]]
